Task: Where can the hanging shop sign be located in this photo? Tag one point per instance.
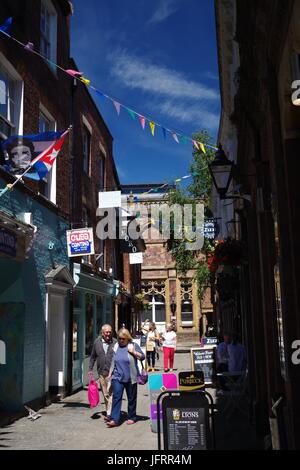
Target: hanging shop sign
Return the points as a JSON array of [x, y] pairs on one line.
[[135, 258], [211, 229], [109, 199], [127, 245], [80, 242]]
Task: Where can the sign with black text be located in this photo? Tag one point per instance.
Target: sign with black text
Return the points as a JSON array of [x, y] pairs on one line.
[[203, 359]]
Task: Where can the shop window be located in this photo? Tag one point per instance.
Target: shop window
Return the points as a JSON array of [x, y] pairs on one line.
[[89, 324], [187, 312], [11, 100], [99, 316]]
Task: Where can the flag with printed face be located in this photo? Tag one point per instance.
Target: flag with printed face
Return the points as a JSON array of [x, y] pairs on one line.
[[37, 152]]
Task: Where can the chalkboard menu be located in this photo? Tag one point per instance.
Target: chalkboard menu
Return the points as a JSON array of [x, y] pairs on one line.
[[203, 359], [186, 422]]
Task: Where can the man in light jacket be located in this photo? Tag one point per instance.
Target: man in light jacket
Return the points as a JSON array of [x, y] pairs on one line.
[[103, 352]]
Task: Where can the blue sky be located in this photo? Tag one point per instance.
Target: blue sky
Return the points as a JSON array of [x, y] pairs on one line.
[[160, 59]]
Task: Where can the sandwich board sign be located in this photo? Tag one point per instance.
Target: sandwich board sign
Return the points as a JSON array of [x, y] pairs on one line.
[[203, 359], [159, 383], [80, 242]]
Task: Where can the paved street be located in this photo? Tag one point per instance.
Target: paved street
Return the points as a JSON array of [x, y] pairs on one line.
[[72, 425]]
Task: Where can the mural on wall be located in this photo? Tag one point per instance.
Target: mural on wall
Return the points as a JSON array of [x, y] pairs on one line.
[[12, 318]]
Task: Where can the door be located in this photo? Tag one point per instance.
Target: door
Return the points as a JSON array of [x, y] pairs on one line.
[[57, 344]]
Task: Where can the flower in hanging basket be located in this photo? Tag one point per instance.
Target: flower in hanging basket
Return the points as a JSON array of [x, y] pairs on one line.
[[230, 251]]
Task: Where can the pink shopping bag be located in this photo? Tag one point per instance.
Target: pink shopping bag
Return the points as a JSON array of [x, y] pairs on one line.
[[93, 393]]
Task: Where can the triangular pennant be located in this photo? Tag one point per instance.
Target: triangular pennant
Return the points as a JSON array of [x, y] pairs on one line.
[[175, 137], [195, 173], [85, 81], [100, 94], [152, 127], [6, 26], [131, 113], [196, 144], [117, 106], [142, 121], [178, 180], [202, 147], [164, 132], [185, 177], [183, 139], [73, 73], [29, 46]]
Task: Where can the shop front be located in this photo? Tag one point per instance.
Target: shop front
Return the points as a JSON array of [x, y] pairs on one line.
[[92, 308]]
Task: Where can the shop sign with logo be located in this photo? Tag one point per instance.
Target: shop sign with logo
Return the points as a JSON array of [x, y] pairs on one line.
[[80, 242]]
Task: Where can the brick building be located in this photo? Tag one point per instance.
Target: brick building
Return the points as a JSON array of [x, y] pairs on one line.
[[68, 299], [259, 59]]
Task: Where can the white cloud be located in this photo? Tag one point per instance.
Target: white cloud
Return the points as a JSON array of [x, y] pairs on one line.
[[166, 8], [190, 113], [136, 73]]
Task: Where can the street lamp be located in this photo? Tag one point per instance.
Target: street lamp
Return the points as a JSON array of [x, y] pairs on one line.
[[221, 170], [173, 306]]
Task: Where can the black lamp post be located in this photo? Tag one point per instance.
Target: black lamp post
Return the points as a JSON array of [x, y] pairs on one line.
[[221, 170]]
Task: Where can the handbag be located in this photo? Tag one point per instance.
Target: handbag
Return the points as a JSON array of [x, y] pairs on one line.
[[93, 392], [142, 377]]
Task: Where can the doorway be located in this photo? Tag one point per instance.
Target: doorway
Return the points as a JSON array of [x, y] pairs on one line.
[[57, 343]]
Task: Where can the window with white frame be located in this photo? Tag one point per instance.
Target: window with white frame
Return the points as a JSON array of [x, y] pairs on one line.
[[48, 28], [86, 150], [11, 100], [48, 184]]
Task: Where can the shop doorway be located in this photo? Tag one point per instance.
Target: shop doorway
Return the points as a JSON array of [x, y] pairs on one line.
[[57, 343]]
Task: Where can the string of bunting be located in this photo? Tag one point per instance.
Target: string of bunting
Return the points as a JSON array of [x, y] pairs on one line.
[[178, 137]]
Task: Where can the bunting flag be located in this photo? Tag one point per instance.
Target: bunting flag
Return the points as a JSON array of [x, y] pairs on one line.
[[37, 153], [175, 138], [6, 26], [117, 106], [152, 127], [29, 46], [202, 148], [85, 81], [74, 73], [142, 121], [131, 113]]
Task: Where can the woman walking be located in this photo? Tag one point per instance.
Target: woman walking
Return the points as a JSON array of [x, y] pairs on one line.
[[152, 338], [169, 347], [124, 372]]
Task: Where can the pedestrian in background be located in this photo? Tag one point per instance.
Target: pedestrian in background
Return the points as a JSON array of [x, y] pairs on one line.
[[152, 338], [169, 347], [124, 373], [103, 352], [237, 357]]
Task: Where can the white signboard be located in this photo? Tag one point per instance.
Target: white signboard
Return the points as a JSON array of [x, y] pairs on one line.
[[109, 199], [135, 258], [80, 242]]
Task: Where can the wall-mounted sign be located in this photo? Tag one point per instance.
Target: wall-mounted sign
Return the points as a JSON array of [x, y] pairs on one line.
[[8, 242], [191, 380], [109, 199], [135, 258], [80, 242], [203, 359], [211, 229], [127, 244], [210, 341]]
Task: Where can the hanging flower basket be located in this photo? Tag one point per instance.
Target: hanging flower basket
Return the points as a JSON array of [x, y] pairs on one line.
[[230, 252]]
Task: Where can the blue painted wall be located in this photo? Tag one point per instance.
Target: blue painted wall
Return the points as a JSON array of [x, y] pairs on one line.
[[22, 295]]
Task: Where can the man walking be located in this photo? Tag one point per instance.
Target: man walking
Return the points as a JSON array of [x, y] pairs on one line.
[[103, 351]]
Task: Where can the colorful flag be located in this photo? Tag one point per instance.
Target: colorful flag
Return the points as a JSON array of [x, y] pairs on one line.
[[73, 73], [202, 148], [29, 46], [85, 81], [175, 137], [142, 121], [117, 106], [132, 113], [36, 151], [6, 26], [196, 144], [152, 127], [164, 132]]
